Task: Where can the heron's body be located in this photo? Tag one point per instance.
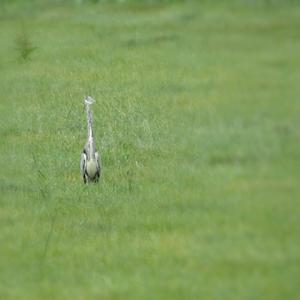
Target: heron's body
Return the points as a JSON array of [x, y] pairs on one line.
[[92, 168], [90, 160]]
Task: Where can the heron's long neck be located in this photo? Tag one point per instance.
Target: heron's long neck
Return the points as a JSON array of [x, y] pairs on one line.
[[90, 143], [89, 123]]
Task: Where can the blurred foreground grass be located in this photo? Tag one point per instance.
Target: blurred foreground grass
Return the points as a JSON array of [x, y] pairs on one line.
[[197, 120]]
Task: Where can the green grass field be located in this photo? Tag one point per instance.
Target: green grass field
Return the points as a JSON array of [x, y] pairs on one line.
[[197, 121]]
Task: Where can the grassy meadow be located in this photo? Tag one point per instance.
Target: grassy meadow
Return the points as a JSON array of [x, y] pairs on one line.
[[197, 122]]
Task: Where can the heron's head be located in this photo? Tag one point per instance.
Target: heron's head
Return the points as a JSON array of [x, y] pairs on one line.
[[89, 100]]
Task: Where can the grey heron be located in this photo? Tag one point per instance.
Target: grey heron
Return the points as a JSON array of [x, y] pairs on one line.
[[90, 159]]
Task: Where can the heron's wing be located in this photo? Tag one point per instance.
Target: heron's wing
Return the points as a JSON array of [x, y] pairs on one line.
[[83, 163]]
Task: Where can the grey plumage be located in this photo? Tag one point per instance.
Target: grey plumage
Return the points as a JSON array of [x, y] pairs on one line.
[[90, 165]]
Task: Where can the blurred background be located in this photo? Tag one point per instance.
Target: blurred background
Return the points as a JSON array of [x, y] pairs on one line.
[[197, 122]]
